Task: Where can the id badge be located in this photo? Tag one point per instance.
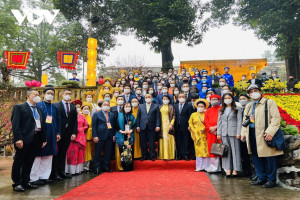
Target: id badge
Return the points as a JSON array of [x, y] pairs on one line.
[[49, 119], [252, 119], [127, 128], [108, 125], [38, 124]]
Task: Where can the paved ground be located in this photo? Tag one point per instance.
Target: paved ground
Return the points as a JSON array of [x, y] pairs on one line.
[[237, 188]]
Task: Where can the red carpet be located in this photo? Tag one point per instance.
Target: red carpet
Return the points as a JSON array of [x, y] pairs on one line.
[[149, 180]]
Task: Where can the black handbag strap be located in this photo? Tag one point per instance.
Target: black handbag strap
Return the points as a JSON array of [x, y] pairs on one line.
[[266, 115]]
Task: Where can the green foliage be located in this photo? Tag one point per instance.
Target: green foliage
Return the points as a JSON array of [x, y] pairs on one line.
[[70, 83], [290, 130]]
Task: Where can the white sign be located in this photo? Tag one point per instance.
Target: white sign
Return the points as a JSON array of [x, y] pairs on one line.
[[41, 15]]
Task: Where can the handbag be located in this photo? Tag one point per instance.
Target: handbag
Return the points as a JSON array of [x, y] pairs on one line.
[[278, 139], [219, 149]]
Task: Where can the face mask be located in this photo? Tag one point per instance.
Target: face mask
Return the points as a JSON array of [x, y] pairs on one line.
[[67, 97], [107, 83], [105, 108], [106, 90], [159, 87], [228, 101], [255, 95], [122, 75], [180, 77], [106, 99], [140, 77], [188, 75], [204, 80], [243, 78], [136, 75], [176, 92], [203, 90], [150, 74], [135, 105], [160, 75], [169, 74], [151, 91], [148, 100], [273, 75], [194, 83], [173, 77], [120, 102], [155, 81], [123, 82], [166, 101], [116, 94], [78, 110], [121, 88], [243, 102], [185, 89], [135, 86], [89, 99], [36, 99], [197, 73], [49, 97], [131, 77], [162, 82], [182, 100], [264, 76], [165, 77], [172, 85], [221, 84], [117, 85], [145, 86], [86, 112], [212, 72], [127, 110], [165, 91], [200, 109], [215, 103], [225, 91], [127, 91]]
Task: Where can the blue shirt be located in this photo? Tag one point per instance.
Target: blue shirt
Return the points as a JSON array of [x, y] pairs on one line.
[[74, 79], [229, 79]]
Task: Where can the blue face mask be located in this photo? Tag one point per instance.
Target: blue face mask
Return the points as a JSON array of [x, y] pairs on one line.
[[203, 90], [264, 76], [204, 81], [107, 99], [136, 75]]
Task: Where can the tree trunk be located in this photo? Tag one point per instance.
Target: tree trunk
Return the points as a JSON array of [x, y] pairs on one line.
[[292, 60], [167, 56], [5, 73], [39, 73]]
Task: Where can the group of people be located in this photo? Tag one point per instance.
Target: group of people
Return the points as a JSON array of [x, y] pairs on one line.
[[180, 113]]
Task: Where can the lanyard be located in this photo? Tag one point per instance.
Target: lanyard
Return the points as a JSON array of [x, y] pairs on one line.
[[127, 118], [47, 109]]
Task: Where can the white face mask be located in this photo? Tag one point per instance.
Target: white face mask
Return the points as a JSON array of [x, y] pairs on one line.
[[135, 86], [49, 97], [225, 91], [172, 85], [214, 103], [255, 95], [148, 100], [159, 87], [194, 83], [166, 101], [127, 91], [243, 102], [165, 77], [120, 102], [131, 77], [176, 92], [123, 82], [228, 101], [135, 105], [221, 84], [86, 112], [180, 77], [165, 91], [185, 89], [67, 97], [106, 90], [127, 110], [138, 92], [182, 100], [151, 91], [78, 110], [116, 94], [105, 108], [89, 99], [36, 99], [145, 86], [200, 109]]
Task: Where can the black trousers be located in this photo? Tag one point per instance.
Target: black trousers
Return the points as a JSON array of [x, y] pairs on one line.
[[246, 163], [23, 162], [59, 160], [147, 135], [182, 142], [105, 146]]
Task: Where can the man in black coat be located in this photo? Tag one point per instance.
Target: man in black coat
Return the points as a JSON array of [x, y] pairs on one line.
[[182, 134], [148, 122], [254, 80], [69, 128], [29, 131]]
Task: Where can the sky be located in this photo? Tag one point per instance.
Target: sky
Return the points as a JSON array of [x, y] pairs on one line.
[[226, 42]]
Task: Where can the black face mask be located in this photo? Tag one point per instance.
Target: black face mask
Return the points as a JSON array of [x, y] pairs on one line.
[[185, 81], [291, 79]]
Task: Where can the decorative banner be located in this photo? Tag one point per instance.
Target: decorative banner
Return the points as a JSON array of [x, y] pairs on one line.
[[67, 59], [91, 62], [16, 59]]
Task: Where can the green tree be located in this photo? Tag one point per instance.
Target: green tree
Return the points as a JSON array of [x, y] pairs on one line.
[[276, 21]]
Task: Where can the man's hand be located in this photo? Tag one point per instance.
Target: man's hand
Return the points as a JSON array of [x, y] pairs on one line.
[[73, 137], [171, 127], [138, 129], [44, 144], [238, 137], [243, 138], [212, 129], [58, 138], [268, 137], [157, 129], [219, 137], [114, 138], [19, 144], [96, 139]]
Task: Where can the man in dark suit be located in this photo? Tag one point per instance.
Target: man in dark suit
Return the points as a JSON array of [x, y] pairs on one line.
[[222, 83], [183, 112], [139, 97], [127, 96], [120, 103], [159, 98], [185, 88], [69, 128], [254, 80], [148, 122], [29, 131], [104, 129]]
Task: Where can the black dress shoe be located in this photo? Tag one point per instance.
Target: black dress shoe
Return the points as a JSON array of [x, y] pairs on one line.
[[64, 175], [259, 182], [179, 158], [253, 178], [19, 188], [106, 170], [269, 184], [97, 171], [46, 181], [186, 158], [57, 177], [30, 186], [37, 182]]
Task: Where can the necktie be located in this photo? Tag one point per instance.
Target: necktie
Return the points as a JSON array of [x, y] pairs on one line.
[[127, 98], [106, 116], [68, 109], [35, 113], [148, 108], [180, 109]]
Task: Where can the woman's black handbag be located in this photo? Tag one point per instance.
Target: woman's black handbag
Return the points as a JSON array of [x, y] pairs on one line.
[[219, 149]]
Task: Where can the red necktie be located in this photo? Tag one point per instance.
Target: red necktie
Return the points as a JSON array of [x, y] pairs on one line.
[[68, 110]]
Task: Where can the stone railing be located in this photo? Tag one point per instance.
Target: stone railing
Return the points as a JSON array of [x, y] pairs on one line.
[[19, 93]]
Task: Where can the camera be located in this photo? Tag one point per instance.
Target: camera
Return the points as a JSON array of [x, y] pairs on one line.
[[246, 122]]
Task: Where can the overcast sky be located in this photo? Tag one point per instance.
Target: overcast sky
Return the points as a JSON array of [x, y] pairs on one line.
[[227, 42]]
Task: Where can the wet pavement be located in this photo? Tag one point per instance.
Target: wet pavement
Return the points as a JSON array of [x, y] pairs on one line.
[[228, 188]]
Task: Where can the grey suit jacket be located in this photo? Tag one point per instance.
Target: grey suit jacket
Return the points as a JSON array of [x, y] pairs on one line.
[[231, 124]]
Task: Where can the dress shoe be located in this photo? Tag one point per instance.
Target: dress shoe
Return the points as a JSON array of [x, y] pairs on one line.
[[64, 175], [37, 182], [57, 177], [186, 158], [97, 171], [46, 181], [106, 170], [253, 178], [19, 188], [153, 159], [259, 182], [269, 184], [30, 186], [179, 158]]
